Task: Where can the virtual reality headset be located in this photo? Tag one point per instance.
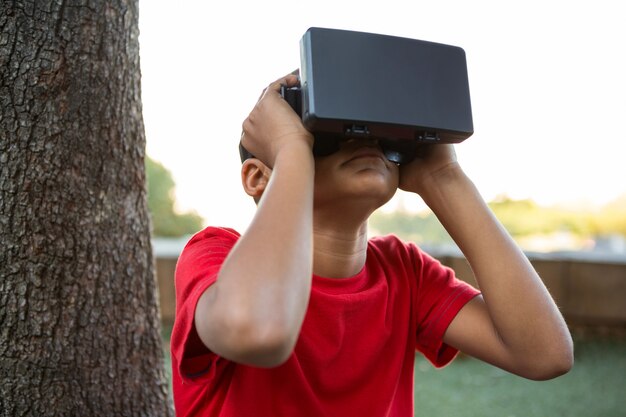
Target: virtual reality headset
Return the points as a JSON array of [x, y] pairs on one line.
[[401, 92]]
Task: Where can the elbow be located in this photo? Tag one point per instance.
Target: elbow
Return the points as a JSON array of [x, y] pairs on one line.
[[242, 335], [267, 344], [561, 358], [550, 371], [267, 349], [552, 364]]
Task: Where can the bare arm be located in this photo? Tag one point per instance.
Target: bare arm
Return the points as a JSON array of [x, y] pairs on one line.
[[253, 313], [515, 324]]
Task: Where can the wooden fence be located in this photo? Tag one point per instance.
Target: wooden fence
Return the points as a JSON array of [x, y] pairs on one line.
[[590, 289]]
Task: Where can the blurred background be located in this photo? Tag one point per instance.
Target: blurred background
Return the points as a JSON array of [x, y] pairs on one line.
[[546, 78], [548, 100]]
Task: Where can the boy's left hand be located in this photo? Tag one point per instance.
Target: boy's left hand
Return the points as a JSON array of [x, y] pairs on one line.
[[431, 162], [515, 324]]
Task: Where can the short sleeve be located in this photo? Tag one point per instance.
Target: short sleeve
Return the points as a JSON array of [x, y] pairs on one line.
[[440, 295], [197, 269]]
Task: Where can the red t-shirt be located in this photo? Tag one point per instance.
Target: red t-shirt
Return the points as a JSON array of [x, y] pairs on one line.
[[356, 349]]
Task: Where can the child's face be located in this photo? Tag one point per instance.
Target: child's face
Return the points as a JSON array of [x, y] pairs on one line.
[[358, 171]]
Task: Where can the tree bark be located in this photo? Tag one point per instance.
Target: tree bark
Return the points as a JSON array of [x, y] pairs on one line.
[[79, 317]]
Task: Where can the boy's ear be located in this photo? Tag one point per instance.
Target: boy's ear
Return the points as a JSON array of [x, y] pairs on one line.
[[254, 177]]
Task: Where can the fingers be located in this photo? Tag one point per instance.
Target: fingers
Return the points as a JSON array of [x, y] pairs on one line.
[[290, 80], [269, 104], [271, 121]]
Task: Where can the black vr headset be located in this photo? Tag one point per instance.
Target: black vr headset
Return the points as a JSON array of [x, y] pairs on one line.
[[400, 92]]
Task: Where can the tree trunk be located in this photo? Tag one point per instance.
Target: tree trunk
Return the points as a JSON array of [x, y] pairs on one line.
[[79, 319]]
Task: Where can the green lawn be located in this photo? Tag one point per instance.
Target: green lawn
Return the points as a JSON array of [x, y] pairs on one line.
[[595, 387]]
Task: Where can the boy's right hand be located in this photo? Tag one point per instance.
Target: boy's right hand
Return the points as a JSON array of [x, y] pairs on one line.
[[273, 125], [254, 312]]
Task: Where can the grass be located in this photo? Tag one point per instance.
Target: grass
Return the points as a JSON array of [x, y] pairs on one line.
[[595, 387]]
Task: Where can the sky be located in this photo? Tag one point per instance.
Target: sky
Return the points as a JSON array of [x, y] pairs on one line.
[[547, 83]]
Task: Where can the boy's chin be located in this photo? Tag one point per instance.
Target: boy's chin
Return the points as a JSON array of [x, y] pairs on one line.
[[367, 188], [366, 195], [377, 187]]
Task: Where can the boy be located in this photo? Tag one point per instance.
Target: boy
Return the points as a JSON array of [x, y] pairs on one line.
[[303, 316]]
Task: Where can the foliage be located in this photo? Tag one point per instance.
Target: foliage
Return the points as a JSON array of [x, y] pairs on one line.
[[525, 217], [417, 227], [612, 218], [166, 221], [521, 218]]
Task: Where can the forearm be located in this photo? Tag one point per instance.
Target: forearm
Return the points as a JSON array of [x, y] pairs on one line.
[[262, 290], [520, 308]]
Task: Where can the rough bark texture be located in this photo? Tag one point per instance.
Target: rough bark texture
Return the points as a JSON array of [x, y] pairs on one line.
[[79, 320]]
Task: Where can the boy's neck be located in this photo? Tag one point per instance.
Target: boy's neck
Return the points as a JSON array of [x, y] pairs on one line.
[[339, 252]]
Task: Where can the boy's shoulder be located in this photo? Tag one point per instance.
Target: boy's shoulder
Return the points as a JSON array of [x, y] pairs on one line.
[[213, 232], [388, 239], [392, 248], [208, 238], [391, 243]]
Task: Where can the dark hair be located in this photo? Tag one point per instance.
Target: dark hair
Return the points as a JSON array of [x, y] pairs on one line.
[[244, 153]]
